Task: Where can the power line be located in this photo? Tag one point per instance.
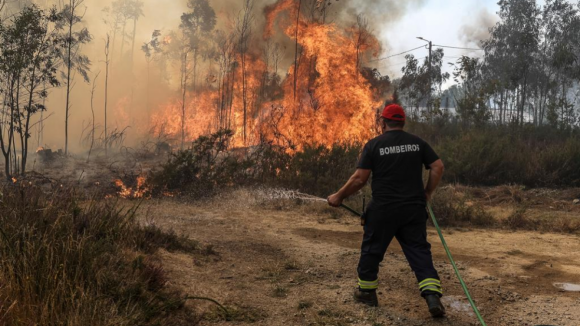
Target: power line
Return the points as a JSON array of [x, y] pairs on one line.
[[395, 64], [400, 63], [456, 47], [394, 55], [454, 57], [423, 46]]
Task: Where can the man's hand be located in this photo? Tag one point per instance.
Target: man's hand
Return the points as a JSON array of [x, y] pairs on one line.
[[335, 200], [435, 173], [354, 184]]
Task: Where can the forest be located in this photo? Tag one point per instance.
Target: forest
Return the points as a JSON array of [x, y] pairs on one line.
[[133, 132], [271, 76]]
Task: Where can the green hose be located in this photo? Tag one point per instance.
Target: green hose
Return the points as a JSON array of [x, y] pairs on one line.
[[448, 255], [455, 266]]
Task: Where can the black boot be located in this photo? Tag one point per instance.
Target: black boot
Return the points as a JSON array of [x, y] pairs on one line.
[[435, 306], [367, 297]]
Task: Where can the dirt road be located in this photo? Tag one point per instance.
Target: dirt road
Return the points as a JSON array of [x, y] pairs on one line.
[[296, 265]]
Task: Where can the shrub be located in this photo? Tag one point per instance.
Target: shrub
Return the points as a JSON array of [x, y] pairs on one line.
[[519, 220], [454, 210], [319, 170], [202, 168], [495, 155], [67, 262]]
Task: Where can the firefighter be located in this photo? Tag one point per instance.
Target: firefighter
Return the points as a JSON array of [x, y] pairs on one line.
[[397, 209]]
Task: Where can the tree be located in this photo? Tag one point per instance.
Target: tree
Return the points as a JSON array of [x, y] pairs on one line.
[[470, 96], [244, 24], [295, 48], [93, 129], [511, 59], [197, 24], [29, 60], [178, 51], [420, 82], [362, 37], [113, 19], [135, 11], [107, 63], [152, 50], [560, 58], [226, 45], [73, 59]]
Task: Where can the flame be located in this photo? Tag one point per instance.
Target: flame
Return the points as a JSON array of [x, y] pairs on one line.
[[14, 180], [127, 192], [333, 102]]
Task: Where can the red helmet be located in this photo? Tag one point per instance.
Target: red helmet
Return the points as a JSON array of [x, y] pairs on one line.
[[394, 112]]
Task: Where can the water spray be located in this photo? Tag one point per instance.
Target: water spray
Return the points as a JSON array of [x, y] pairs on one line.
[[291, 194]]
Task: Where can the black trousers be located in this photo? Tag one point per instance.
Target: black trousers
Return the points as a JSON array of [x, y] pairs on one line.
[[409, 225]]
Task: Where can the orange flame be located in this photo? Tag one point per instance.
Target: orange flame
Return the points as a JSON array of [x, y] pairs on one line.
[[127, 192], [329, 101]]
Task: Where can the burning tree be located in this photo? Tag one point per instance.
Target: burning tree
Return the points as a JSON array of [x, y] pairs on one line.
[[336, 97]]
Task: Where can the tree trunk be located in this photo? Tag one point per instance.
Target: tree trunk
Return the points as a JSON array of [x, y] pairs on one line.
[[68, 75], [133, 43], [194, 70], [296, 48], [184, 94], [106, 91], [123, 39]]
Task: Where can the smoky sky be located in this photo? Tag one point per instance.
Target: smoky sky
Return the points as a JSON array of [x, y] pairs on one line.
[[478, 29]]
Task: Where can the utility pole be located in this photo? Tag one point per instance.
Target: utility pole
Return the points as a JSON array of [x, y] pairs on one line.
[[430, 76]]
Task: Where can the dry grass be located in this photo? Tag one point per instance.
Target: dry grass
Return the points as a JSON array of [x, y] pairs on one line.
[[507, 207], [64, 261]]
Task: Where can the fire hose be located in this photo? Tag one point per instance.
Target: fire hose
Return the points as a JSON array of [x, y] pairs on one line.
[[465, 290]]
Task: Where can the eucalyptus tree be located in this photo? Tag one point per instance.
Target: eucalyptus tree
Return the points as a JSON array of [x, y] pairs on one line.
[[421, 81], [511, 59], [30, 56], [196, 25], [152, 50], [74, 61]]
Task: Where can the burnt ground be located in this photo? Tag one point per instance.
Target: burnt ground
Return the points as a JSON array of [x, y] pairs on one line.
[[278, 264]]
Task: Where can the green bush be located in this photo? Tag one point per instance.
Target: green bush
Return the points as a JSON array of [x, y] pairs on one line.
[[495, 155]]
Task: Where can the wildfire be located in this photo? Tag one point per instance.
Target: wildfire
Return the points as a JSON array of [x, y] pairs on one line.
[[14, 180], [325, 98], [139, 191]]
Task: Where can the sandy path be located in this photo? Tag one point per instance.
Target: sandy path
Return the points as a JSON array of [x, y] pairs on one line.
[[298, 267]]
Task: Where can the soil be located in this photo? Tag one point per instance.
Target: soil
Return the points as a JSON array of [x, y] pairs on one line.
[[289, 264]]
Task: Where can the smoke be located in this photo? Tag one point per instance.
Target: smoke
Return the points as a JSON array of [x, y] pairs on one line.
[[478, 29], [380, 13], [132, 99]]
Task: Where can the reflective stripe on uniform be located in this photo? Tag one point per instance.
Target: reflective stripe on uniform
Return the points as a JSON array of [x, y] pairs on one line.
[[432, 288], [368, 285], [431, 284], [429, 280]]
